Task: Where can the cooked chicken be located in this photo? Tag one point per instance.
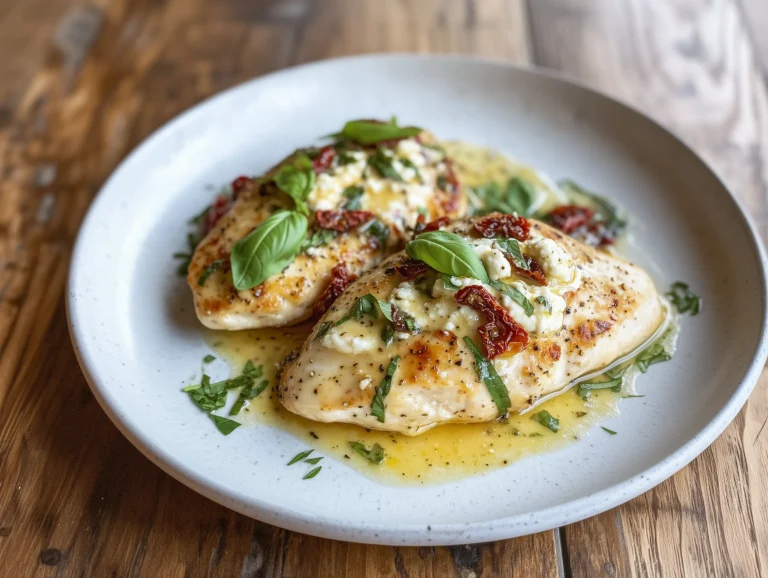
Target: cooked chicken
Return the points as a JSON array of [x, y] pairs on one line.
[[378, 193], [592, 309]]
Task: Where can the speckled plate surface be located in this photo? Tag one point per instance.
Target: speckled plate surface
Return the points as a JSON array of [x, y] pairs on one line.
[[134, 330]]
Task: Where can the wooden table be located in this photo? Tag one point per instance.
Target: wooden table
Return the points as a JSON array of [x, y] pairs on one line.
[[82, 84]]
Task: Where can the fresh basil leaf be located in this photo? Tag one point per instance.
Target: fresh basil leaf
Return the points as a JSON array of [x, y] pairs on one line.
[[223, 424], [318, 238], [447, 253], [300, 456], [382, 164], [448, 284], [365, 305], [512, 248], [544, 303], [586, 388], [515, 295], [209, 358], [487, 372], [684, 300], [247, 393], [353, 194], [546, 419], [610, 431], [324, 327], [312, 473], [377, 405], [215, 266], [375, 455], [296, 183], [313, 461], [388, 334], [377, 230], [367, 132], [518, 197], [655, 353], [268, 249]]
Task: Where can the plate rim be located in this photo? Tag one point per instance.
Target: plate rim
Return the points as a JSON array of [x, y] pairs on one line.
[[504, 527]]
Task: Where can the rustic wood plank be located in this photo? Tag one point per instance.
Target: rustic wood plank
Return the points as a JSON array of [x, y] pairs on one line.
[[689, 65], [75, 497]]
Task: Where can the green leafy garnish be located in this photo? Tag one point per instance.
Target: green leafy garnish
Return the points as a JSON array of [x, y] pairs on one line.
[[656, 353], [487, 372], [223, 424], [377, 230], [300, 456], [518, 197], [684, 300], [544, 303], [585, 389], [268, 249], [185, 258], [318, 238], [447, 253], [604, 209], [375, 455], [215, 266], [352, 194], [512, 248], [345, 159], [312, 473], [448, 284], [408, 163], [515, 295], [610, 431], [313, 461], [366, 132], [297, 183], [249, 392], [382, 164], [324, 327], [546, 419], [208, 358], [206, 395], [377, 405], [365, 305]]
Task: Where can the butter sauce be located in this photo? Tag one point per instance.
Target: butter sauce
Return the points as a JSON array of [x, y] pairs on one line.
[[446, 452]]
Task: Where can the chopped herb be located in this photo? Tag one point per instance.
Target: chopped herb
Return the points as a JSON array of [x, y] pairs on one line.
[[388, 334], [185, 258], [382, 164], [206, 395], [534, 435], [515, 295], [346, 159], [366, 132], [215, 266], [313, 473], [517, 197], [604, 209], [545, 303], [377, 405], [197, 219], [375, 455], [247, 393], [512, 248], [684, 300], [546, 419], [318, 238], [442, 182], [585, 389], [365, 305], [353, 194], [406, 162], [448, 284], [313, 461], [487, 372], [378, 230], [324, 327], [610, 431], [223, 424], [208, 358], [300, 456]]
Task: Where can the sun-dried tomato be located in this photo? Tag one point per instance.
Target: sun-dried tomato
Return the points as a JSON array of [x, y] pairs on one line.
[[568, 218], [239, 184], [411, 268], [500, 331], [324, 159], [342, 221], [503, 226], [399, 320], [423, 227], [535, 271], [340, 280], [215, 212], [448, 181]]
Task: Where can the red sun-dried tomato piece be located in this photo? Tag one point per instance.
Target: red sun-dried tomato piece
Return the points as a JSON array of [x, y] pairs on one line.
[[340, 280], [215, 212], [500, 331], [503, 226], [423, 227], [342, 221], [448, 181], [535, 271], [239, 184], [411, 268], [324, 159], [568, 218]]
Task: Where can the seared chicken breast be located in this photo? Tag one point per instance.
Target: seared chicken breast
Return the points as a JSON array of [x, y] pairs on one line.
[[400, 360], [362, 202]]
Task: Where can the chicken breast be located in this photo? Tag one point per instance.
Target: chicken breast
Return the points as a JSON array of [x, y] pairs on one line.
[[394, 185], [594, 308]]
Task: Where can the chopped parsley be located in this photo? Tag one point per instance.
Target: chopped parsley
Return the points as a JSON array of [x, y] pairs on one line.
[[684, 300], [377, 405], [547, 420], [375, 455]]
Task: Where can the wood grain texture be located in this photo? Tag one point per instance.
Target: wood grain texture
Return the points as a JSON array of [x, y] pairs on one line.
[[689, 65], [86, 82]]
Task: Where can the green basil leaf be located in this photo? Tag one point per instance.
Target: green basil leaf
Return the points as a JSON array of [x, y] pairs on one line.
[[378, 230], [518, 197], [209, 358], [268, 249], [545, 303], [247, 393], [223, 424], [604, 209], [312, 473], [487, 372], [296, 183], [382, 164], [447, 253], [377, 405], [366, 132], [324, 327], [512, 248], [375, 455], [353, 193], [448, 284], [515, 295], [300, 456], [684, 300], [313, 461], [610, 431], [585, 389], [546, 419], [388, 334], [318, 238], [215, 266]]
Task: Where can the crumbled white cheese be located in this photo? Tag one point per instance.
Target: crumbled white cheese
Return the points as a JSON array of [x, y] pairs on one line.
[[556, 261], [351, 338], [365, 383], [410, 301], [327, 192], [413, 151], [542, 321], [496, 264]]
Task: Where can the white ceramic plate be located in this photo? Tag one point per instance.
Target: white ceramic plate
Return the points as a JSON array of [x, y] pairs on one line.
[[137, 338]]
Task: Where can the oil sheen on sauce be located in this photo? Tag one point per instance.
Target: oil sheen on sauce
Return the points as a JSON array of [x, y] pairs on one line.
[[443, 453]]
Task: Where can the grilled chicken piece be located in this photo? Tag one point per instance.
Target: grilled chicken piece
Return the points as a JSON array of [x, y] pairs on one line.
[[595, 308], [419, 181]]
